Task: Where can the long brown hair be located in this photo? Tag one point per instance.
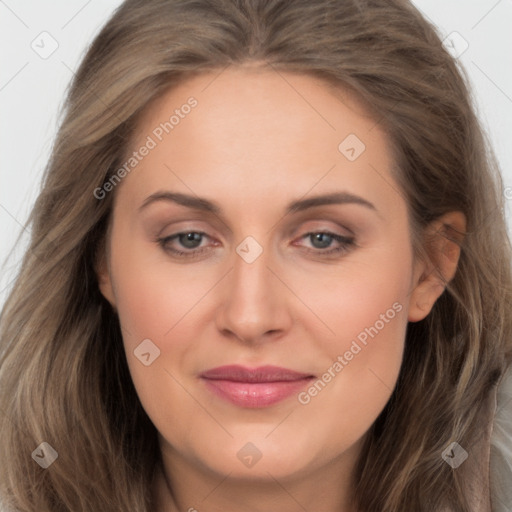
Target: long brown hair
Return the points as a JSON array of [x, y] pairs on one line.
[[63, 373]]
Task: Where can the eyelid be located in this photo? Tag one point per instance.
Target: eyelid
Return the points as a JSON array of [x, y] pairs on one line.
[[321, 225]]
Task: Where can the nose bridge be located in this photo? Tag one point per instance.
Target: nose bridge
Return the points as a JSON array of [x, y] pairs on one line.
[[254, 303], [251, 279], [250, 274]]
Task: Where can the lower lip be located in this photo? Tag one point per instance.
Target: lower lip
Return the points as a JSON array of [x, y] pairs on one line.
[[253, 395]]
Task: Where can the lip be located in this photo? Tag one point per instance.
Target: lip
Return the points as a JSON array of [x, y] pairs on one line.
[[254, 387]]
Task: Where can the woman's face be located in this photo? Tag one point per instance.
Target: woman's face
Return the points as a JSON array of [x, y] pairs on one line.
[[255, 283]]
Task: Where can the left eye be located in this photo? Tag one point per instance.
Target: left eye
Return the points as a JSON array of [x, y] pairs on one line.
[[325, 238], [191, 241], [188, 239]]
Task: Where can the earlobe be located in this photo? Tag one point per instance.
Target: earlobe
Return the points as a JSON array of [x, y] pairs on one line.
[[443, 241], [424, 297], [106, 289], [103, 276]]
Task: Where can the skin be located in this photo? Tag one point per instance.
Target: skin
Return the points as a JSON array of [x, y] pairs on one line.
[[256, 141]]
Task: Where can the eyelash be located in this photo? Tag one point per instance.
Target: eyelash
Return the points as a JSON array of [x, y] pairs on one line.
[[346, 244]]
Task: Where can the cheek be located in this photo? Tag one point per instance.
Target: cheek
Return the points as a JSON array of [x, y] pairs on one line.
[[152, 304], [363, 308], [163, 302], [359, 299], [152, 294]]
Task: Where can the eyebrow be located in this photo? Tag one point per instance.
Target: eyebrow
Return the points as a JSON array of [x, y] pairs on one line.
[[205, 205]]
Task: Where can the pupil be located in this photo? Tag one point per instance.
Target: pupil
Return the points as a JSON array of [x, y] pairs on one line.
[[190, 239], [320, 238]]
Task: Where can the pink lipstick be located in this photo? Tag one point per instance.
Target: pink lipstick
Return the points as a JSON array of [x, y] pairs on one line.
[[254, 387]]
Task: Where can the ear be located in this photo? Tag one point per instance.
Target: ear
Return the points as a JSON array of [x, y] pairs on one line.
[[102, 269], [443, 238]]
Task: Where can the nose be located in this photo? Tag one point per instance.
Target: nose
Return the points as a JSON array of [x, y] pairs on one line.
[[254, 305]]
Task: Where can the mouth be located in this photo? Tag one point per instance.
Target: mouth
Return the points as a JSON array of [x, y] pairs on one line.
[[254, 387]]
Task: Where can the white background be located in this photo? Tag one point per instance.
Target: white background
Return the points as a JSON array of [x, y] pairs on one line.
[[32, 89]]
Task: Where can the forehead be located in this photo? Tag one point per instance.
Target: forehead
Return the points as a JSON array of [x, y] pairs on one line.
[[260, 132], [260, 98]]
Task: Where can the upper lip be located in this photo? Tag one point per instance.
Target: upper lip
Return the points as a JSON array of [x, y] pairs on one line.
[[237, 373]]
